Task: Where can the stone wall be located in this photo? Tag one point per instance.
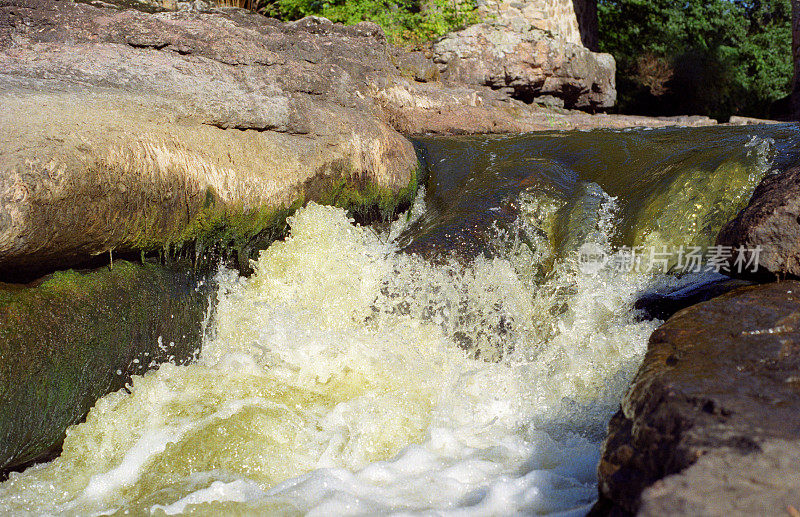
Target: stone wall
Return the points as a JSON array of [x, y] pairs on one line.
[[564, 18]]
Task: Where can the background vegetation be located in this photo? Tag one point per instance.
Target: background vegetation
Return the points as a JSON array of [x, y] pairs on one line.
[[713, 57], [406, 22]]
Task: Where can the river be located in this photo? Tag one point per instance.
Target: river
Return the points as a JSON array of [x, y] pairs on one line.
[[462, 360]]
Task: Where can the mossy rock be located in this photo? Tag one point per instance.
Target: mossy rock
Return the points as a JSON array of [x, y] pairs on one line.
[[75, 336]]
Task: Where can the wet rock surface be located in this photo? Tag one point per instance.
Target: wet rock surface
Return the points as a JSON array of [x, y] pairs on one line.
[[73, 337], [711, 425], [663, 305], [770, 222]]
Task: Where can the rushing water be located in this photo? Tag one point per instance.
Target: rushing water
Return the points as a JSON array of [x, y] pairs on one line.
[[458, 362]]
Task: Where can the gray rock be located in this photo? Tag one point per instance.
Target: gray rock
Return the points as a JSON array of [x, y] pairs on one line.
[[549, 101], [711, 425], [123, 130], [529, 63], [415, 65]]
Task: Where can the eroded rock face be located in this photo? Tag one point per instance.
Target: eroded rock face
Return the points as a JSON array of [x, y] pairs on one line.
[[772, 222], [527, 63], [123, 130], [561, 17], [711, 425]]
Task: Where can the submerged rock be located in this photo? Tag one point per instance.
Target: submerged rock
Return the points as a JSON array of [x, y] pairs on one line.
[[663, 305], [73, 337], [711, 425], [772, 222]]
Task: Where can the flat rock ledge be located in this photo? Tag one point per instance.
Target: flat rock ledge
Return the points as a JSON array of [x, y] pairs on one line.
[[711, 425], [124, 131]]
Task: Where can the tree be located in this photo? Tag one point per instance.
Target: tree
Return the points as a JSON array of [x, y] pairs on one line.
[[715, 57]]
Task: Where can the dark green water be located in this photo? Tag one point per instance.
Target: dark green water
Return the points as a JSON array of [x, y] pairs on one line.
[[673, 186]]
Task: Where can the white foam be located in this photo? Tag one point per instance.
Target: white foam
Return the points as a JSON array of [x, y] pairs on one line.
[[342, 379], [238, 491]]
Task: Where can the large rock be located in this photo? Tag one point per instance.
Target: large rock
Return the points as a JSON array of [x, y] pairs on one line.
[[73, 337], [423, 108], [122, 130], [770, 222], [711, 425], [528, 64]]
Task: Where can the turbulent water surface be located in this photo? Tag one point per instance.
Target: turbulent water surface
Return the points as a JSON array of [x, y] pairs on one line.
[[458, 362]]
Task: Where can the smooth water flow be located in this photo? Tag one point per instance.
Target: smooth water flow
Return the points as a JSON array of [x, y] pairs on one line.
[[458, 362]]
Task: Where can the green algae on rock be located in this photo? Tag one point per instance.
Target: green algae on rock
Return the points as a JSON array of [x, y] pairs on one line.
[[75, 336]]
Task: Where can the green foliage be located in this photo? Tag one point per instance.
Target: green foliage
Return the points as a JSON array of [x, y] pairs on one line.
[[714, 57], [406, 22]]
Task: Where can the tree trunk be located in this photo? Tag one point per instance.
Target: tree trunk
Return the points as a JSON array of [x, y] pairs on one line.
[[586, 12], [796, 59]]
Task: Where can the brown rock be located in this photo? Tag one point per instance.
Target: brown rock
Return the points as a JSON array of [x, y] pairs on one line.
[[772, 222], [419, 108], [711, 425]]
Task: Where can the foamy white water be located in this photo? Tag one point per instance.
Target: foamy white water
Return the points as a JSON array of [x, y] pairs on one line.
[[345, 378]]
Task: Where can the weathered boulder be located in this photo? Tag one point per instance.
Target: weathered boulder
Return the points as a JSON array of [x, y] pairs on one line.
[[711, 425], [122, 130], [73, 337], [569, 19], [527, 63], [772, 222]]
